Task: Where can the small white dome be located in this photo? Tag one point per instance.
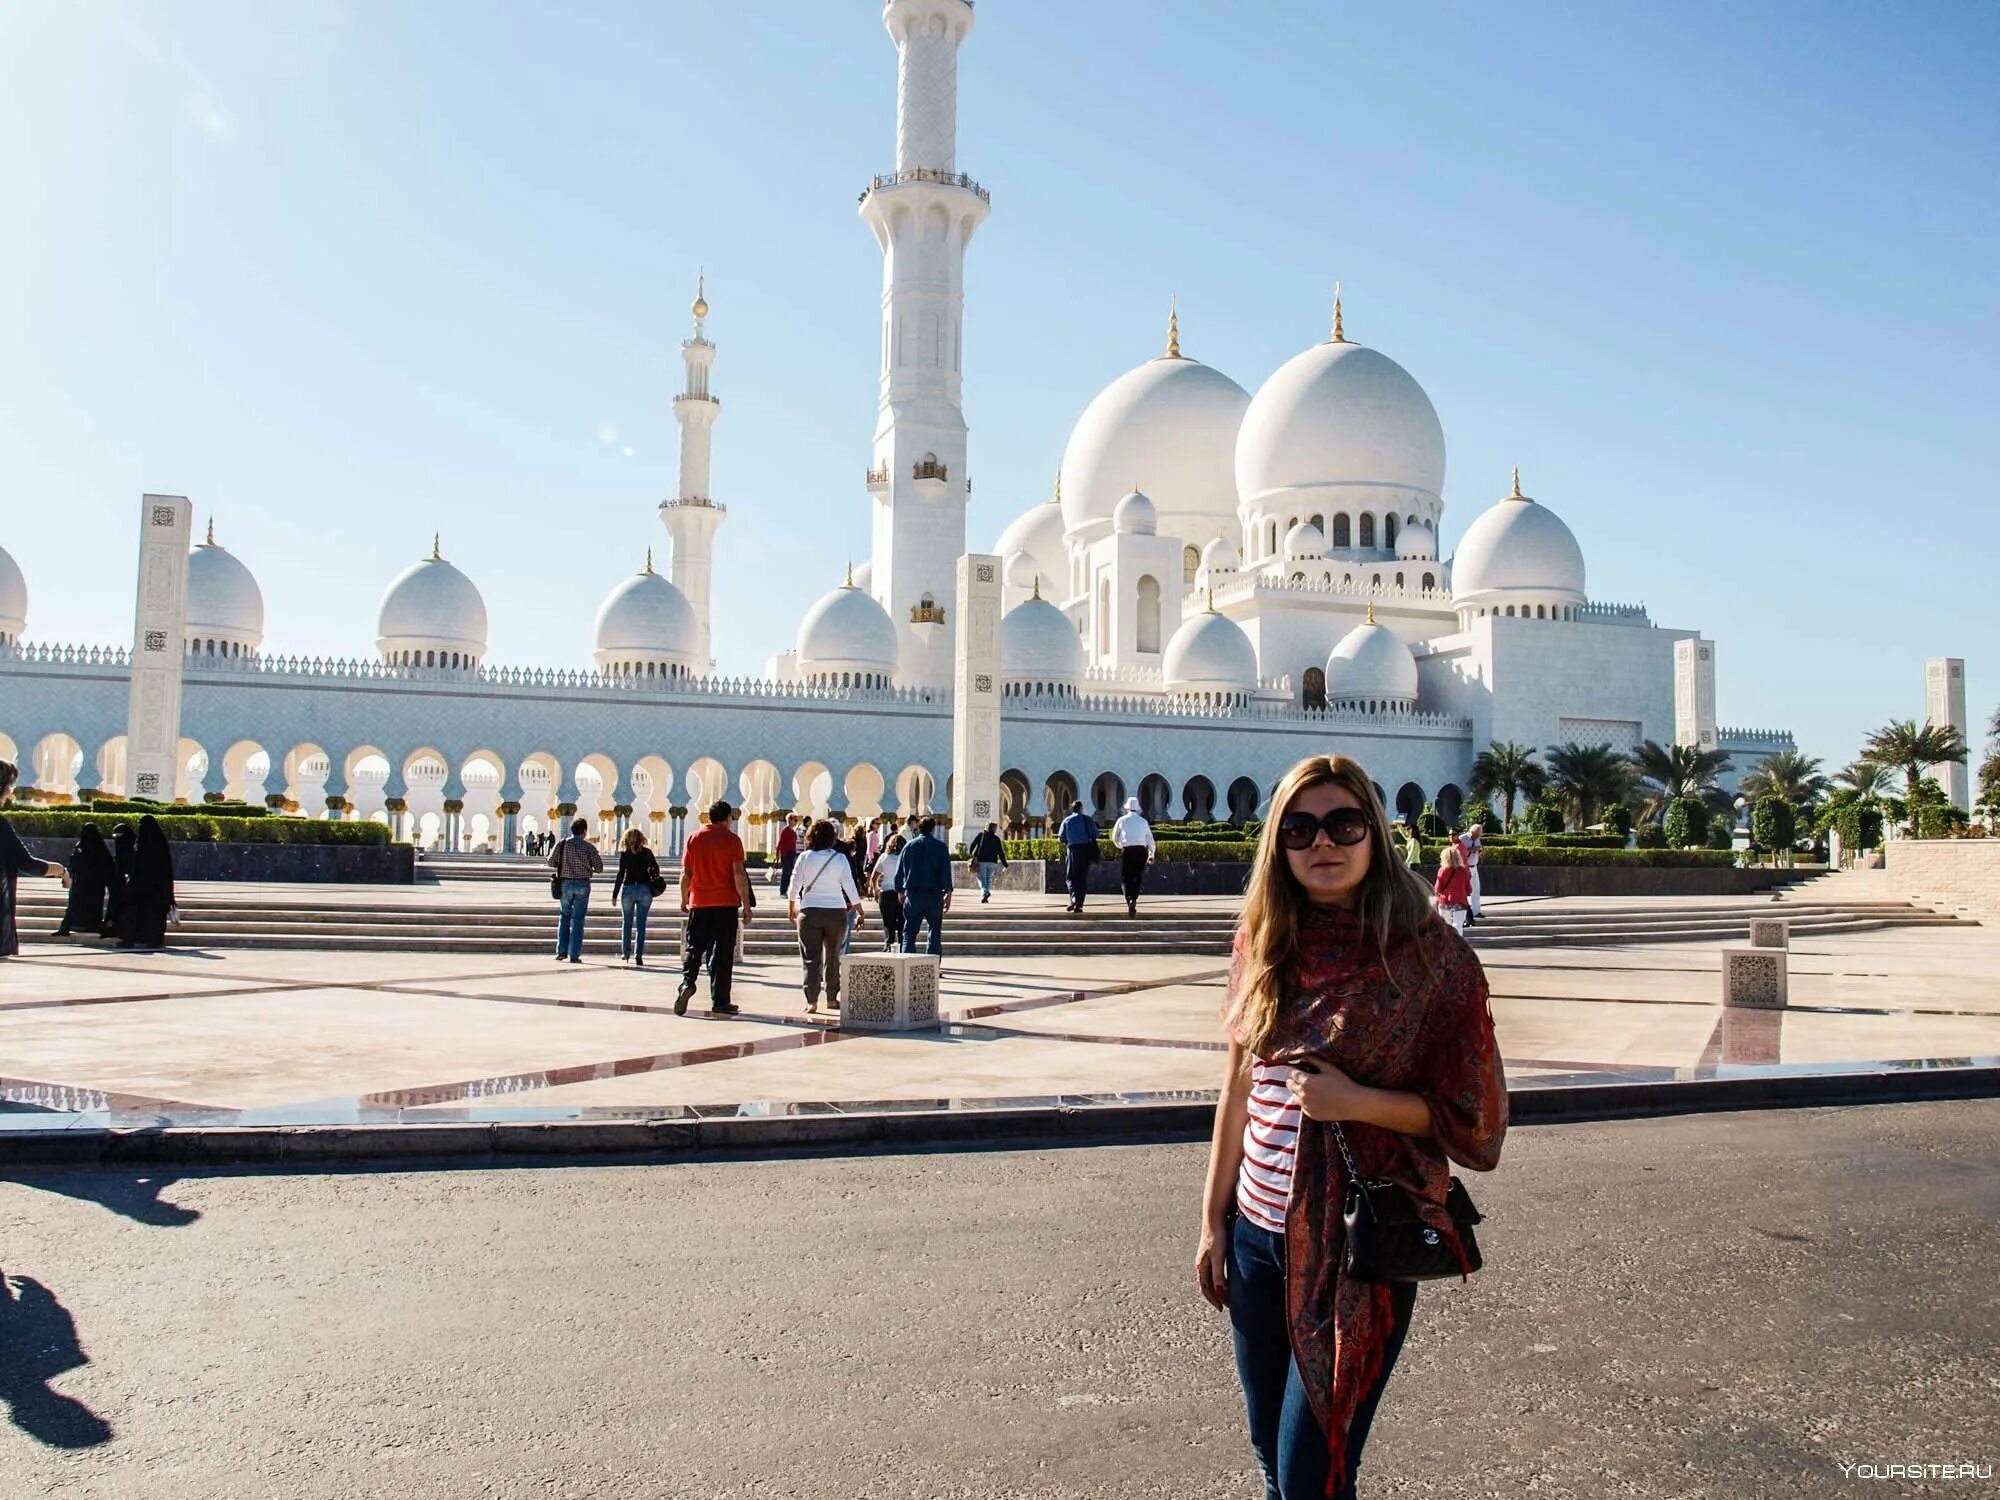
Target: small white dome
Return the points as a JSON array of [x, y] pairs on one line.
[[1210, 654], [1416, 543], [432, 611], [1304, 541], [1037, 531], [13, 599], [646, 622], [847, 632], [1339, 414], [1371, 663], [1039, 645], [1515, 548], [1221, 556], [1136, 516], [223, 600], [864, 578], [1169, 425], [1019, 571]]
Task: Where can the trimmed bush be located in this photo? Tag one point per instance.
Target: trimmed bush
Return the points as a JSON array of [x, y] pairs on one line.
[[1619, 820], [138, 807], [1483, 814], [1540, 817], [1939, 820], [1650, 836], [1188, 851], [1686, 822], [1773, 823], [1657, 859], [201, 828]]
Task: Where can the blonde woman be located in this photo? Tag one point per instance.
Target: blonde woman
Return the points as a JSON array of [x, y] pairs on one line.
[[1349, 1001]]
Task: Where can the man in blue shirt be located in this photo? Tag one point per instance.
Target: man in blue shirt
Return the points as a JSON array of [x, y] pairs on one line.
[[924, 878], [1078, 835]]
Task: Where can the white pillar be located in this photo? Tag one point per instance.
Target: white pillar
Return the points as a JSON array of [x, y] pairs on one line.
[[975, 703], [159, 648], [923, 215], [1944, 705], [1694, 693], [692, 517]]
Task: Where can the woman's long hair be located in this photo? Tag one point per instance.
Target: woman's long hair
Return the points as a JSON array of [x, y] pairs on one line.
[[1391, 902], [634, 841]]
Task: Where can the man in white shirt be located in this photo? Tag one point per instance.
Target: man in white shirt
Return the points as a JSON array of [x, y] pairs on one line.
[[1470, 843], [1132, 836]]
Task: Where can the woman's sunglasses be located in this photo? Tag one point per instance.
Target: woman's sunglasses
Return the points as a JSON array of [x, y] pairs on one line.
[[1344, 825]]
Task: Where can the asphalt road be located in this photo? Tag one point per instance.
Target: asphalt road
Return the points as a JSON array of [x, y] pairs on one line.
[[1728, 1305]]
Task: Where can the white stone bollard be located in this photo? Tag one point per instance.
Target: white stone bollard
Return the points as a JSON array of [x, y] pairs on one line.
[[1755, 978], [889, 992], [1770, 932]]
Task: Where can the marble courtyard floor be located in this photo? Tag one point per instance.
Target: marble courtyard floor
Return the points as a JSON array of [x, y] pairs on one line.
[[249, 1037]]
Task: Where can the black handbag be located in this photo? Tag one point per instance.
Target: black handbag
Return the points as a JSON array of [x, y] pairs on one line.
[[555, 880], [1387, 1240]]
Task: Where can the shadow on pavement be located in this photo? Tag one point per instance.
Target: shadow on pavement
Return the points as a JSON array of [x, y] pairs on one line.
[[135, 1195], [37, 1343]]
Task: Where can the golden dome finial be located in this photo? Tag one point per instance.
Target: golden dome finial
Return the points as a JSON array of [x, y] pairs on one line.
[[1056, 498], [1211, 599], [437, 546], [1339, 333], [1371, 611], [1173, 326], [211, 531], [700, 308], [649, 559], [1517, 495], [850, 574], [1038, 583]]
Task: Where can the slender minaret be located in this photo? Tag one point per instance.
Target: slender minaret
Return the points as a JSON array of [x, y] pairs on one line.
[[691, 518], [923, 215]]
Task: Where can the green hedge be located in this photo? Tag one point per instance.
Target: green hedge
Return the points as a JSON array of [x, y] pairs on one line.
[[1657, 859], [199, 828], [1188, 851], [137, 808]]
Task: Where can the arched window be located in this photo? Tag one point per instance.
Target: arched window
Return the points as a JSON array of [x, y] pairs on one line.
[[1271, 540], [1510, 611], [1343, 531], [1541, 612], [1314, 692], [1399, 580], [1319, 523], [430, 658], [1190, 564], [1149, 613], [1367, 529], [1103, 617], [1430, 580], [1389, 532]]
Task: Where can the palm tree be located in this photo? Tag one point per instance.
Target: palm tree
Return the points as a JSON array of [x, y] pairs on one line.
[[1906, 748], [1863, 778], [1507, 770], [1587, 777], [1790, 775], [1676, 771]]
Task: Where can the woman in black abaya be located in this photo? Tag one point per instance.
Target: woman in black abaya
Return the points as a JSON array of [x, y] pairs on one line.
[[149, 893], [91, 872]]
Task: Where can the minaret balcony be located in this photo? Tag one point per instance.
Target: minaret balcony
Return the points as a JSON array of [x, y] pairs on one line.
[[927, 613], [878, 479], [702, 396], [926, 174], [930, 475]]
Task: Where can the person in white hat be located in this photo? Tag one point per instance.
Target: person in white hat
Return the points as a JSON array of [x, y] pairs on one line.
[[1132, 836]]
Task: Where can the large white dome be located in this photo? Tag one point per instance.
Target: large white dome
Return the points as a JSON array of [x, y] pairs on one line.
[[1339, 414], [1169, 428], [1210, 654], [1370, 664], [223, 600], [646, 626], [848, 635], [13, 600], [1037, 531], [432, 612], [1517, 552], [1039, 648]]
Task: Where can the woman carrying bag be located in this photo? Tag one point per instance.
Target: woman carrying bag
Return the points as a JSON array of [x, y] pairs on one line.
[[1361, 1059], [888, 900], [635, 885], [823, 899]]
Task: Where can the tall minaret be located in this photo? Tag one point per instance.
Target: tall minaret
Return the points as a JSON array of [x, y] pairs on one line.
[[923, 215], [691, 518]]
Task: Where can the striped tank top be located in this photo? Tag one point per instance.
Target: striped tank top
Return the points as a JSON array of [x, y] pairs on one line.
[[1270, 1142]]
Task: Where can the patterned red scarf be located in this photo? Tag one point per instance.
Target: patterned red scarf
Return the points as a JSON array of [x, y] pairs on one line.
[[1414, 1019]]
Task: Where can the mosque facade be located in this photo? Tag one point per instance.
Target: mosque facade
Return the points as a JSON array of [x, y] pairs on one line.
[[1220, 583]]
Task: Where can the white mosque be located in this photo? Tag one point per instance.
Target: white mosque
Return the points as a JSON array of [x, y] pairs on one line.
[[1220, 583]]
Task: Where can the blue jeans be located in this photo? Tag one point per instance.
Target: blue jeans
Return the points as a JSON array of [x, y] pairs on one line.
[[634, 902], [986, 873], [569, 930], [1291, 1447], [920, 907]]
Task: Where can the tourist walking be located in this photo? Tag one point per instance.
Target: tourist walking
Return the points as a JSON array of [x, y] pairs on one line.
[[16, 861], [91, 871], [787, 852], [715, 895], [149, 890], [574, 860], [635, 885], [1413, 847], [988, 856], [825, 908], [1078, 836], [1472, 843], [888, 900], [1132, 836], [923, 877], [1453, 887], [1357, 1027]]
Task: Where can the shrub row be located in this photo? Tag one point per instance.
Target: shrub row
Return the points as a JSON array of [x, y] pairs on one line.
[[1190, 851], [136, 807], [1547, 855], [198, 828]]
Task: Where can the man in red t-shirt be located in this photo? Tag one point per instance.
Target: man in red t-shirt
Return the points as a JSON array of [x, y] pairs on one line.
[[787, 852], [715, 889]]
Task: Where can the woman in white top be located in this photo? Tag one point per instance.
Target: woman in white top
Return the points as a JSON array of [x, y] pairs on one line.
[[823, 895], [888, 900]]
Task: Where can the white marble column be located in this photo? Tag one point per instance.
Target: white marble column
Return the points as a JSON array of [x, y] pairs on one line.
[[975, 701], [159, 648]]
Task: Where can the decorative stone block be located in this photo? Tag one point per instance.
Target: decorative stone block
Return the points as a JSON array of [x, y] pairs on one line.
[[1770, 932], [1754, 978], [889, 992]]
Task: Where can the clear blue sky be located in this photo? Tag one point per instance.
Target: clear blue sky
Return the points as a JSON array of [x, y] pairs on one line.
[[1720, 278]]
